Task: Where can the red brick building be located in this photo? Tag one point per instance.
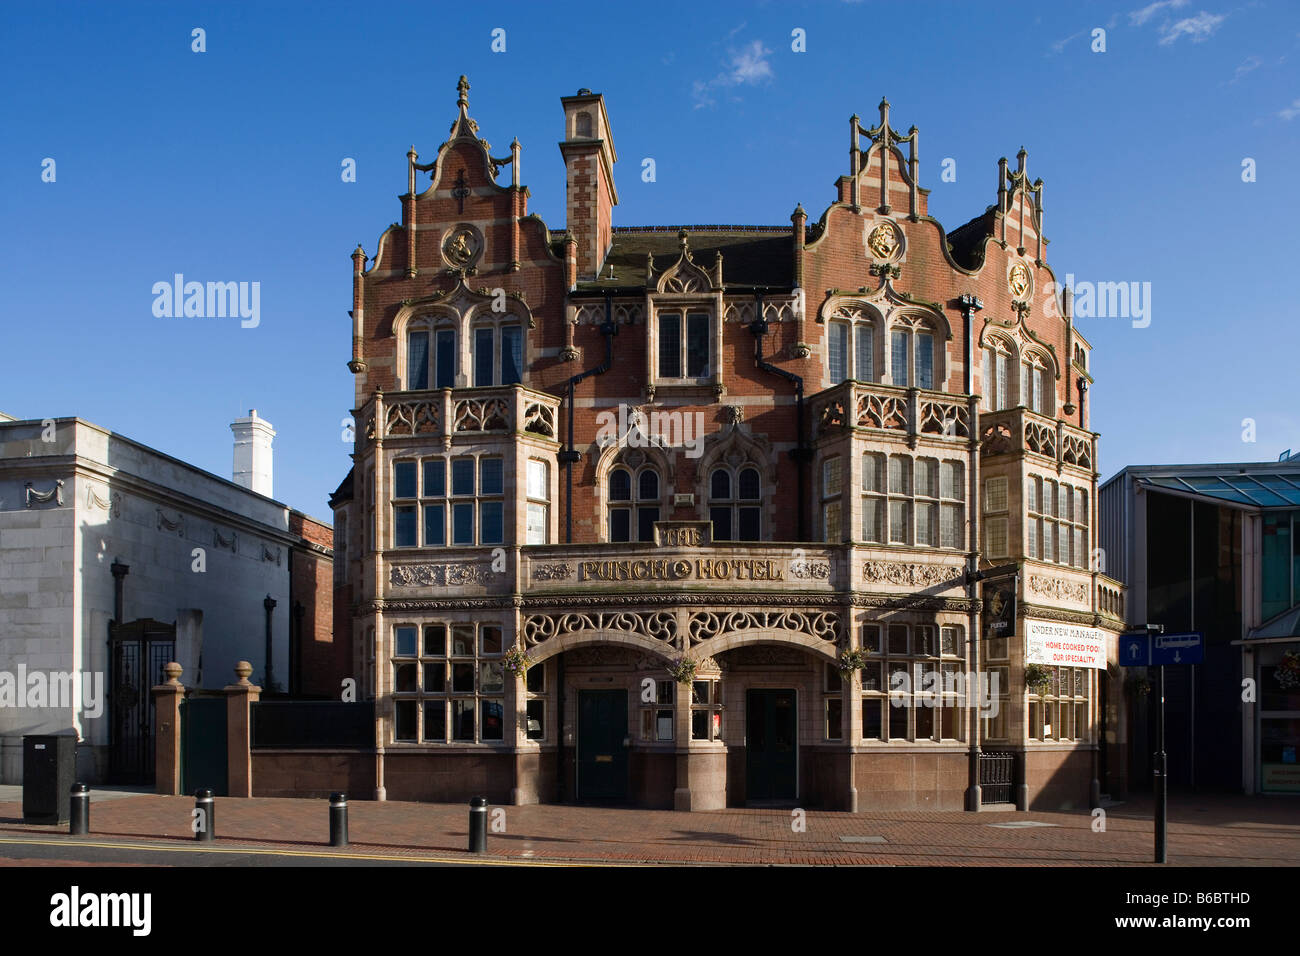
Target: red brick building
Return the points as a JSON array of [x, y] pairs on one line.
[[727, 487]]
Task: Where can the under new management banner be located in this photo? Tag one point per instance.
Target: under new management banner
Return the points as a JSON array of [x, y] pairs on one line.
[[1064, 645]]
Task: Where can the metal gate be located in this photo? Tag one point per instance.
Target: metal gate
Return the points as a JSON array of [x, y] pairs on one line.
[[203, 745], [997, 773], [138, 652]]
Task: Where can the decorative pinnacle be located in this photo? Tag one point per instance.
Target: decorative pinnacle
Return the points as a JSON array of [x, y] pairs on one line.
[[462, 88], [681, 236]]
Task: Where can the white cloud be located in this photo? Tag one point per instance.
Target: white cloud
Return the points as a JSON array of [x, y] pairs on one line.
[[1059, 45], [1139, 17], [1200, 28], [748, 66], [1247, 65], [1291, 112]]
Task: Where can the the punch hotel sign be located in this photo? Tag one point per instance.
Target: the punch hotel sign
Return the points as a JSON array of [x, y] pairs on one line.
[[1064, 645]]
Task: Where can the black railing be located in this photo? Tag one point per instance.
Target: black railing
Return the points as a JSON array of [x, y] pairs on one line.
[[313, 724], [997, 774]]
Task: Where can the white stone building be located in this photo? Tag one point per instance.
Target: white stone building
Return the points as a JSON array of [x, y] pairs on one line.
[[97, 528]]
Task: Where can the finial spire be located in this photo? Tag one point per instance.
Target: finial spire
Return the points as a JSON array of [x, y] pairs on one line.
[[462, 89]]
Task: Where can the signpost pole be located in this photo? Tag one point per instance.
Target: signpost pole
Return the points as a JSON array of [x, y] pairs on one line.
[[1161, 773]]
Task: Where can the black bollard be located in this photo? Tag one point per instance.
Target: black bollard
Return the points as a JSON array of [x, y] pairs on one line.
[[79, 799], [205, 824], [338, 819], [478, 825]]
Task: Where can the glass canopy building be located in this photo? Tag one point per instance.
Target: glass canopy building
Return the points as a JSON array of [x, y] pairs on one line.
[[1215, 548]]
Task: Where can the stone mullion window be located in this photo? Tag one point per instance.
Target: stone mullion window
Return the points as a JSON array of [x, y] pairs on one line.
[[537, 701], [735, 504], [911, 684], [498, 353], [448, 683], [833, 703], [996, 723], [634, 502], [684, 346], [996, 511], [874, 499], [537, 528], [832, 495], [1057, 522], [899, 507], [706, 709], [430, 356], [658, 716], [1061, 709]]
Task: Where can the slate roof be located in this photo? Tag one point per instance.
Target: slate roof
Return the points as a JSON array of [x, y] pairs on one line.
[[967, 240], [752, 256]]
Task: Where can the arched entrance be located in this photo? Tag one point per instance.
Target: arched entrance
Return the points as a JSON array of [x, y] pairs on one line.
[[748, 728]]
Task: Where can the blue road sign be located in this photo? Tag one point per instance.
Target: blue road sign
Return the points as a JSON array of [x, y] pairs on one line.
[[1154, 650], [1186, 648], [1134, 650]]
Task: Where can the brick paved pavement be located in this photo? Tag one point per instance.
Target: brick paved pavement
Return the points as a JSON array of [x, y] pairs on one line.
[[1204, 831]]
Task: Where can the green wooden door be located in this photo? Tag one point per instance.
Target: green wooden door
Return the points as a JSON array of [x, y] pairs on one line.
[[602, 745], [203, 745], [771, 746]]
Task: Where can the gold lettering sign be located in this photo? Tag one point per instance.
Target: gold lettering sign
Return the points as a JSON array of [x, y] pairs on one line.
[[665, 569]]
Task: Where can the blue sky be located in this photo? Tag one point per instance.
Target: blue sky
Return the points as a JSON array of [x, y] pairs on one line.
[[225, 166]]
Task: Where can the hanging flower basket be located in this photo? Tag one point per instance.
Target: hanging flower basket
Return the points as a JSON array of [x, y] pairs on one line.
[[851, 661], [1288, 671], [682, 670], [516, 661], [1036, 675]]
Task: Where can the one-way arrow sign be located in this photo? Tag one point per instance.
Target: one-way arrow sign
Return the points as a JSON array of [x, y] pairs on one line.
[[1153, 650]]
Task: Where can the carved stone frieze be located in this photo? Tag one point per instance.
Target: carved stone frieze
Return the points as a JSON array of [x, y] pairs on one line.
[[810, 570], [439, 575], [912, 575], [1060, 589], [705, 625], [553, 572]]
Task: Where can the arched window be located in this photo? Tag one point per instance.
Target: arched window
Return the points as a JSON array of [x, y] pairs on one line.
[[912, 353], [851, 347], [735, 504], [583, 125], [430, 354], [997, 374], [1037, 385], [498, 353], [634, 503]]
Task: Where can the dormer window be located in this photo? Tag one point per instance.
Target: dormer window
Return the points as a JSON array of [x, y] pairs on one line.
[[684, 345]]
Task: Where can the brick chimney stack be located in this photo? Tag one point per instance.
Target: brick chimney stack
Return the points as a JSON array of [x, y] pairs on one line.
[[589, 157], [252, 468]]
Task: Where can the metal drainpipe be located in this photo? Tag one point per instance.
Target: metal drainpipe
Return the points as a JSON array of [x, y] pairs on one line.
[[569, 457], [801, 453]]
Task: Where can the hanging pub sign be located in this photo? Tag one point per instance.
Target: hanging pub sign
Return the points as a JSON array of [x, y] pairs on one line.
[[999, 614]]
